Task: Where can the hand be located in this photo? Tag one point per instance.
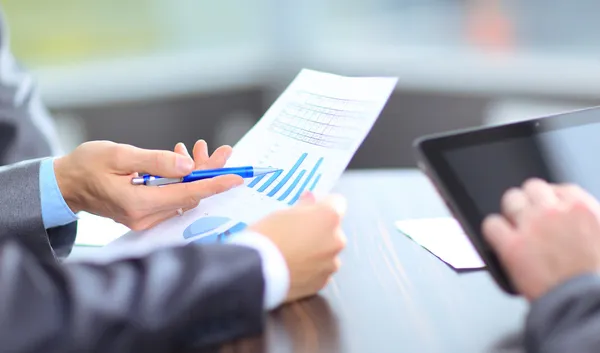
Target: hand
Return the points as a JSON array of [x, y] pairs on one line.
[[96, 177], [546, 235], [310, 237], [201, 158]]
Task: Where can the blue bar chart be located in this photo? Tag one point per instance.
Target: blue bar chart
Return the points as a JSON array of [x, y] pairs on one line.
[[288, 175], [306, 181], [270, 181], [256, 181], [292, 187], [288, 185]]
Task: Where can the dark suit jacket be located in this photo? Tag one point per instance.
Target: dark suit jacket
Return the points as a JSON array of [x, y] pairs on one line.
[[173, 297], [155, 303]]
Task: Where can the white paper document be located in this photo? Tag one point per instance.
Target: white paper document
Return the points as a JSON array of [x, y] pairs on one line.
[[445, 238], [311, 132], [94, 230]]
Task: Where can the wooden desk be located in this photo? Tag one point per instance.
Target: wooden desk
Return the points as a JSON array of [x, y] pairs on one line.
[[391, 295]]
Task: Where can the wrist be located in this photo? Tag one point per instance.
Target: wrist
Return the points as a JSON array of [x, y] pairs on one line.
[[275, 269], [67, 184]]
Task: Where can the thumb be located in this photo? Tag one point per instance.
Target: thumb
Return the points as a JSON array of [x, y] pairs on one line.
[[156, 162], [337, 203]]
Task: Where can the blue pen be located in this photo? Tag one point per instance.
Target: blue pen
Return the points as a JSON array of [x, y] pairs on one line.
[[244, 172]]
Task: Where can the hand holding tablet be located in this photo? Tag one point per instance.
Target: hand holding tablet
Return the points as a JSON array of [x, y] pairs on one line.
[[474, 168]]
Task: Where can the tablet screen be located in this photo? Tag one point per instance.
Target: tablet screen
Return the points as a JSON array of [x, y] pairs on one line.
[[486, 170]]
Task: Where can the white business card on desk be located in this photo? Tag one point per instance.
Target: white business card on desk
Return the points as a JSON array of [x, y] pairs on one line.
[[444, 238]]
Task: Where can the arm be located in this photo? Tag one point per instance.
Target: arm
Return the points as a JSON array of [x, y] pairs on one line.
[[26, 129], [218, 290], [171, 297], [548, 241], [567, 319], [23, 189], [155, 303], [200, 294]]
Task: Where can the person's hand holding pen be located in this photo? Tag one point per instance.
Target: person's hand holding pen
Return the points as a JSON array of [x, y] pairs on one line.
[[96, 177]]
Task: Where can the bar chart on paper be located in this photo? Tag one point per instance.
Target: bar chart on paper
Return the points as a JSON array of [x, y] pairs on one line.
[[212, 229], [288, 185]]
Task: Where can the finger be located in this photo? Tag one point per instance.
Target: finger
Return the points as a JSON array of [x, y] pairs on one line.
[[190, 207], [200, 153], [218, 158], [130, 159], [337, 264], [540, 193], [570, 194], [189, 195], [514, 204], [337, 203], [181, 149], [499, 233], [342, 240]]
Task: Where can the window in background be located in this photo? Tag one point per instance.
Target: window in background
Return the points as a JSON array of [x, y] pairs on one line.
[[63, 32], [565, 28]]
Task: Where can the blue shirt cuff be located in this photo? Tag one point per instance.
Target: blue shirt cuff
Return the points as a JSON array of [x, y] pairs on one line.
[[55, 211], [274, 267]]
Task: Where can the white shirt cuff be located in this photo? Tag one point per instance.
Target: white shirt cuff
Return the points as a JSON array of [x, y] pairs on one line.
[[275, 271]]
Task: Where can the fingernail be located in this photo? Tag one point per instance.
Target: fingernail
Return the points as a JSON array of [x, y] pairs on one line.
[[184, 164], [308, 196]]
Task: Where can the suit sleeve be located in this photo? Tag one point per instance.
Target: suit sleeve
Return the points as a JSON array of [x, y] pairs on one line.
[[27, 130], [21, 214], [152, 303], [199, 295], [567, 319]]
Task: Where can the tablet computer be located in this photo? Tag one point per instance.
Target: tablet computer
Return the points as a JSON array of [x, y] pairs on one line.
[[473, 168]]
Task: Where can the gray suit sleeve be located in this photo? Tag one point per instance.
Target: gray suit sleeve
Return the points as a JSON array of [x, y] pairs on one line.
[[21, 214], [567, 319], [170, 299], [162, 301], [26, 128]]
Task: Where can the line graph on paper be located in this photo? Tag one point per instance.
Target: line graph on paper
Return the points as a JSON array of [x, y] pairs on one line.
[[322, 120]]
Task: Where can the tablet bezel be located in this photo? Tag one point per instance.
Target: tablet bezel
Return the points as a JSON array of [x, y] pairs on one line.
[[429, 154]]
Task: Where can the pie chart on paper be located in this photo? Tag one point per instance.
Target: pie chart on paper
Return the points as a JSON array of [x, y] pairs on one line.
[[212, 229]]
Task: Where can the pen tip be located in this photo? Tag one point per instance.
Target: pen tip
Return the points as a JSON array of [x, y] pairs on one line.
[[262, 171]]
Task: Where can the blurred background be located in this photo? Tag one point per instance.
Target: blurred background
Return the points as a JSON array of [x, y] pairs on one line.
[[156, 72]]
